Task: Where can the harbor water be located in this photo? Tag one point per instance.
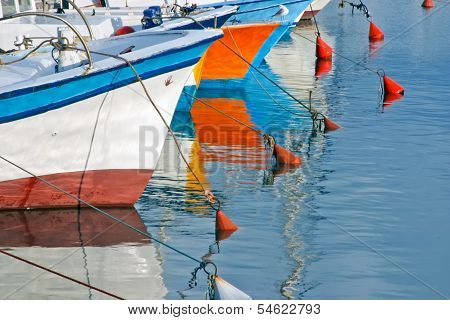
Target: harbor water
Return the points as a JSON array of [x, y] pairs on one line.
[[366, 216]]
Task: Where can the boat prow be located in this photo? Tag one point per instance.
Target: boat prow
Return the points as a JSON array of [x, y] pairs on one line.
[[94, 135]]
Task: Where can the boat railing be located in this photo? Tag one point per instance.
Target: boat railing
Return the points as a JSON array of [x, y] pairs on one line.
[[71, 27]]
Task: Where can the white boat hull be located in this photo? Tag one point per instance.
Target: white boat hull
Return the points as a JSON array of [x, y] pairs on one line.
[[102, 149]]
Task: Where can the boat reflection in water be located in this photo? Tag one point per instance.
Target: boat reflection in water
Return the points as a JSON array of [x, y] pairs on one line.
[[297, 199], [217, 144], [82, 244], [207, 137], [224, 139], [231, 160]]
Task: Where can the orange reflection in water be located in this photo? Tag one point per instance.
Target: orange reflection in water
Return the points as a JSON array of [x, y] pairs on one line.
[[224, 139]]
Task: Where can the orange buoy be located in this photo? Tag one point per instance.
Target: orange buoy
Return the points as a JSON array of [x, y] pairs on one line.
[[223, 223], [375, 33], [390, 86], [330, 125], [123, 30], [323, 50], [323, 67], [428, 4], [284, 156]]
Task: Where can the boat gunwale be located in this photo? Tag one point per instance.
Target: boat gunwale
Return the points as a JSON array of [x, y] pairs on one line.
[[21, 88]]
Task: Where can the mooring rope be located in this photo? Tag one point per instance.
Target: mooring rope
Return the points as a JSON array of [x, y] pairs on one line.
[[314, 18], [60, 274]]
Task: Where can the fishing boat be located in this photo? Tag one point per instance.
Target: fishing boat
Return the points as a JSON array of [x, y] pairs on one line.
[[248, 38], [250, 34], [108, 21], [84, 245], [104, 22], [250, 10], [87, 126]]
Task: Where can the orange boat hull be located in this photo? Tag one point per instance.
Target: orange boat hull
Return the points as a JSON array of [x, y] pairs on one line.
[[220, 63]]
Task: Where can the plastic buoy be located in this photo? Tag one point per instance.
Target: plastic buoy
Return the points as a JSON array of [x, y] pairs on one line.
[[226, 291], [123, 30], [428, 4], [330, 125], [390, 86], [375, 33], [389, 98], [323, 50], [285, 156], [223, 223], [323, 67]]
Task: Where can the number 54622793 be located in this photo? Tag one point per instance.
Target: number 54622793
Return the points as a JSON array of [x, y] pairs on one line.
[[288, 308]]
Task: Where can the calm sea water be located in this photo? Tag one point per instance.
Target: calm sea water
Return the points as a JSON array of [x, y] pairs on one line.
[[365, 217]]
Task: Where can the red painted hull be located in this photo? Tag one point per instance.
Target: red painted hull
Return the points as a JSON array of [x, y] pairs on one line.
[[121, 187]]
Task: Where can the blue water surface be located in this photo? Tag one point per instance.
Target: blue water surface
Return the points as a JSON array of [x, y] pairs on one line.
[[367, 215]]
